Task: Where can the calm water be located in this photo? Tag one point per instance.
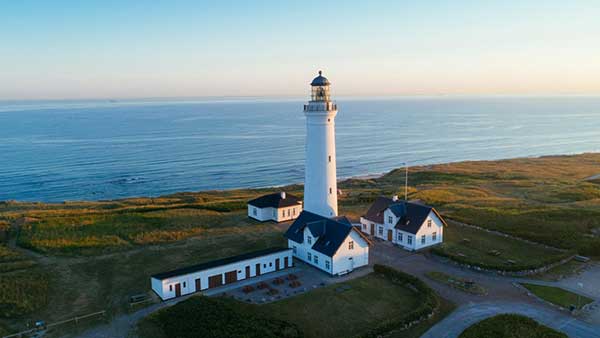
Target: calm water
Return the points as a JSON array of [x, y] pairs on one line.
[[54, 151]]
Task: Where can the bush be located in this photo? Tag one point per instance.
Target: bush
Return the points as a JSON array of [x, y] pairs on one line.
[[510, 326], [429, 305], [218, 318]]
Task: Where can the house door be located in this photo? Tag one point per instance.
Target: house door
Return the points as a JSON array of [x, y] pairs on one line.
[[198, 286], [286, 262], [248, 271], [230, 277], [372, 229], [277, 264], [258, 269], [214, 281], [351, 263], [390, 235], [177, 290]]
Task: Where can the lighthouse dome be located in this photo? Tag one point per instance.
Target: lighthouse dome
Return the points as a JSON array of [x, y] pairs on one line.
[[320, 80]]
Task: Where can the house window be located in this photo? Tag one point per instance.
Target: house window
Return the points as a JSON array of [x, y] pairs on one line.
[[316, 259], [380, 231], [351, 245], [399, 237], [390, 219], [294, 250], [364, 227], [409, 240], [171, 287], [283, 213], [309, 239], [309, 256], [294, 211], [429, 223], [274, 213], [434, 236], [183, 284], [254, 211], [270, 264], [423, 239], [326, 265]]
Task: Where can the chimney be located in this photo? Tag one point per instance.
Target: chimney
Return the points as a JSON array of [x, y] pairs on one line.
[[395, 198], [282, 195]]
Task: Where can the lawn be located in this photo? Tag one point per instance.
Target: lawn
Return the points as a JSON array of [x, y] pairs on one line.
[[457, 283], [510, 326], [364, 303], [557, 296], [488, 250]]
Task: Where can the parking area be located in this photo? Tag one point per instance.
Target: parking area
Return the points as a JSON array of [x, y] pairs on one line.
[[299, 279]]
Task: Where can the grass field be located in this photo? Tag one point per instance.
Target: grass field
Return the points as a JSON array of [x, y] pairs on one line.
[[324, 312], [558, 296], [98, 252], [488, 250], [510, 326], [457, 283]]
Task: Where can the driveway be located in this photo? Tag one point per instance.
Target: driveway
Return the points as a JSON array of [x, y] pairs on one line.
[[467, 315]]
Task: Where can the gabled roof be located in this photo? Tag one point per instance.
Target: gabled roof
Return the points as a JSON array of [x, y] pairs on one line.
[[330, 232], [275, 201], [216, 263], [411, 215]]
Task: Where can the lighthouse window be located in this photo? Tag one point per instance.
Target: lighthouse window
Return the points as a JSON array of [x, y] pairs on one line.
[[329, 158], [330, 191]]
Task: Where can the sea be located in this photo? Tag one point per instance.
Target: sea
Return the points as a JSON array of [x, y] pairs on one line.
[[52, 151]]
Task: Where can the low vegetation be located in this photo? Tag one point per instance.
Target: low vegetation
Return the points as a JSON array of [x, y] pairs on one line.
[[558, 296], [491, 251], [368, 306], [510, 326], [23, 293], [457, 283]]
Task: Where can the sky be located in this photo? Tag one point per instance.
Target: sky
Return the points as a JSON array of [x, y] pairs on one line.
[[140, 49]]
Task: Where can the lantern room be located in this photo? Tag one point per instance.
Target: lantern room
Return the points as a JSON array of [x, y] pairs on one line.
[[320, 88]]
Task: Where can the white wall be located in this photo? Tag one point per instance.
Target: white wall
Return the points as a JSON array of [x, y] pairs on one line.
[[366, 226], [272, 214], [436, 226], [360, 254], [161, 287], [320, 183]]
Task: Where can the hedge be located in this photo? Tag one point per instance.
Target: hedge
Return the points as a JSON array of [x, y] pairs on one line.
[[507, 268], [429, 305]]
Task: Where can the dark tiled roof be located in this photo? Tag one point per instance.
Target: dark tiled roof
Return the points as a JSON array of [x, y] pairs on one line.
[[331, 232], [411, 214], [275, 201], [375, 212], [218, 262]]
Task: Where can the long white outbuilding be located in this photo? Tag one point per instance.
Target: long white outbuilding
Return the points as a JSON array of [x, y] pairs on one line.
[[224, 271]]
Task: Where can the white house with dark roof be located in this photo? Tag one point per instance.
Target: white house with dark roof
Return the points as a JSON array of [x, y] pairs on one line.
[[333, 245], [278, 207], [411, 225]]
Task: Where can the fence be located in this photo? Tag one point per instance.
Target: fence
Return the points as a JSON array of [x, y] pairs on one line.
[[74, 319]]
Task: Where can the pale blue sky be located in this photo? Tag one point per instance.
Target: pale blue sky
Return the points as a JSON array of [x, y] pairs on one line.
[[100, 49]]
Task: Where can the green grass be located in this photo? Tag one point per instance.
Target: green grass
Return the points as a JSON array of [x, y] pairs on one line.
[[510, 326], [487, 250], [456, 282], [557, 296], [370, 300], [23, 293]]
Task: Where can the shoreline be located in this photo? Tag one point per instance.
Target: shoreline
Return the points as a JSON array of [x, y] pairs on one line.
[[366, 176]]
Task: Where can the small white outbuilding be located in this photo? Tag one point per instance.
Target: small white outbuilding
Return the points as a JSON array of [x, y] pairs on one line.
[[224, 271], [276, 207]]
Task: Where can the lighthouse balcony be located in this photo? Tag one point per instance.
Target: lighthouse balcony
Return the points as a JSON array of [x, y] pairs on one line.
[[320, 106]]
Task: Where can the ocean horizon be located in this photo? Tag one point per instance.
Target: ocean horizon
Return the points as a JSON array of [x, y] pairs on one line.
[[60, 150]]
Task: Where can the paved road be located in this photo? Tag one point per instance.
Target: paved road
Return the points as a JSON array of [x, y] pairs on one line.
[[467, 315]]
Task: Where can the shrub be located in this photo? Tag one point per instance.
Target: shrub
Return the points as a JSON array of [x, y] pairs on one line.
[[510, 326]]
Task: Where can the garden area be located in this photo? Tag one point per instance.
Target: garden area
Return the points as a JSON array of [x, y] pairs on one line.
[[558, 296], [510, 326], [368, 306]]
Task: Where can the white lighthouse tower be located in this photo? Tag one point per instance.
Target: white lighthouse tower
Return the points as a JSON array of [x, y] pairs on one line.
[[320, 183]]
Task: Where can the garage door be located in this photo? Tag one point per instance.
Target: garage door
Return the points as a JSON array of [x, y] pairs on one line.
[[230, 276], [214, 281]]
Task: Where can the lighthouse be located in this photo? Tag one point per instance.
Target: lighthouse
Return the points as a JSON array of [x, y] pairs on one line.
[[320, 183]]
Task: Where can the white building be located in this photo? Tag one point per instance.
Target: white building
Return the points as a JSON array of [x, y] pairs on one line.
[[276, 207], [411, 225], [330, 244], [213, 274], [320, 183]]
